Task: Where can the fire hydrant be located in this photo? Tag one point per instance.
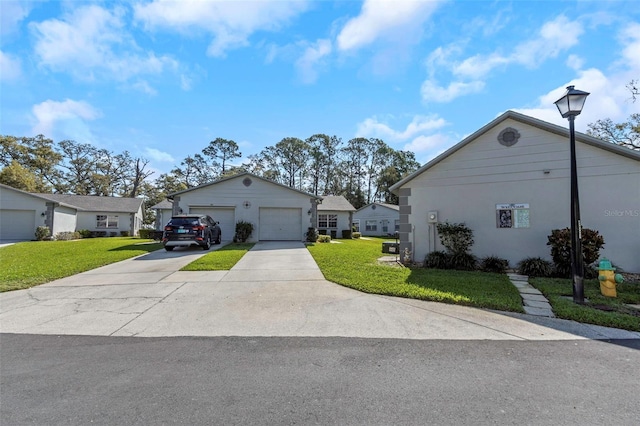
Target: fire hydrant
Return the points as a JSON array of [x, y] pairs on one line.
[[608, 278]]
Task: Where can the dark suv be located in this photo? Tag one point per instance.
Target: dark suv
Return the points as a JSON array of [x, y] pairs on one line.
[[187, 230]]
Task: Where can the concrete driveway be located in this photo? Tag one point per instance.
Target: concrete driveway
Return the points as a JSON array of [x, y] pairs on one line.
[[276, 289]]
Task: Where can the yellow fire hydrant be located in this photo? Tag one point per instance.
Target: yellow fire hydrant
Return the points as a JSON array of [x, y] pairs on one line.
[[608, 278]]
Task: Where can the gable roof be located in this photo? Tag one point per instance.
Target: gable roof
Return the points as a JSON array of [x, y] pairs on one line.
[[35, 195], [94, 203], [549, 127], [389, 206], [162, 205], [335, 203], [245, 174]]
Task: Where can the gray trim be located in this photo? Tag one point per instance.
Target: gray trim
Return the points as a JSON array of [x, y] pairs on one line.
[[404, 228], [405, 210], [404, 192]]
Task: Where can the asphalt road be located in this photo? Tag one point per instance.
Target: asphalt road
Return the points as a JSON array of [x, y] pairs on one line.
[[75, 380]]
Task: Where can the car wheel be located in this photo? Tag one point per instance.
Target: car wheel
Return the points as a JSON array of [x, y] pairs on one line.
[[207, 244], [169, 248]]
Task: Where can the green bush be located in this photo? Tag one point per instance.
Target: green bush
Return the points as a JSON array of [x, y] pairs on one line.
[[85, 233], [535, 267], [67, 236], [324, 238], [456, 237], [560, 242], [438, 260], [146, 233], [124, 233], [311, 235], [356, 235], [494, 264], [243, 231], [463, 261], [42, 233]]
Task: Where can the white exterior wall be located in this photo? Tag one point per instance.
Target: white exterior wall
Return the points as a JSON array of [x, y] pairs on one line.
[[28, 207], [233, 193], [162, 217], [466, 186], [64, 220], [343, 222], [379, 214], [87, 220]]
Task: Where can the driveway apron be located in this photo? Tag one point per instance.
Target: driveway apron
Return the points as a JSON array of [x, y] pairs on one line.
[[276, 289]]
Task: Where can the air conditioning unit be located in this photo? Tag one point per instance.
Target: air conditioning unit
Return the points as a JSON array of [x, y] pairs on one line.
[[432, 217]]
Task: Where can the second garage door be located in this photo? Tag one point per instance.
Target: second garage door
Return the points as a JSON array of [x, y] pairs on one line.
[[280, 224], [17, 224], [226, 217]]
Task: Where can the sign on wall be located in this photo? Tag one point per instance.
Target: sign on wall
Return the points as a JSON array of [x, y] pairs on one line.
[[513, 215]]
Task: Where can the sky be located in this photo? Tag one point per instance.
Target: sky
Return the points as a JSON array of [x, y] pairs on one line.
[[162, 78]]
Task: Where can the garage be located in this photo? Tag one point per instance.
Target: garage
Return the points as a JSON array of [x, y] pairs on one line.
[[280, 224], [17, 225], [225, 215]]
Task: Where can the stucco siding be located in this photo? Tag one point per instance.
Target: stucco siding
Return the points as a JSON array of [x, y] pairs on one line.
[[64, 220], [380, 214]]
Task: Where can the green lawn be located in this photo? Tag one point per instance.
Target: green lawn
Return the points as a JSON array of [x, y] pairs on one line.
[[31, 263], [599, 310], [222, 259], [353, 263]]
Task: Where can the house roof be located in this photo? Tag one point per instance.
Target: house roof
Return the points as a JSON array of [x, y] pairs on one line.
[[246, 174], [389, 206], [549, 127], [335, 203], [96, 203], [34, 195], [163, 205]]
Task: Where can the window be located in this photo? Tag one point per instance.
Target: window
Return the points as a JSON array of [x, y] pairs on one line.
[[397, 225], [327, 221], [371, 225], [385, 226], [104, 221]]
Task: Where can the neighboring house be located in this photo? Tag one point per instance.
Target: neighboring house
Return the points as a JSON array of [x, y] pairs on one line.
[[163, 214], [335, 214], [22, 212], [276, 211], [510, 183], [377, 219]]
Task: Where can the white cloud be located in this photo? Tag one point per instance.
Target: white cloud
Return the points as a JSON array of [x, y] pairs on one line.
[[11, 15], [373, 127], [10, 67], [91, 42], [68, 117], [380, 19], [575, 62], [432, 92], [436, 144], [479, 66], [630, 38], [311, 59], [231, 23], [144, 87], [160, 156]]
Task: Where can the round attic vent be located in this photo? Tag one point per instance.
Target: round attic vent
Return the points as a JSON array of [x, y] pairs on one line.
[[246, 204], [508, 137], [247, 181], [373, 207]]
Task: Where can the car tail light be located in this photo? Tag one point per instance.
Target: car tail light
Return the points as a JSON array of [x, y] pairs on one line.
[[198, 228], [168, 228]]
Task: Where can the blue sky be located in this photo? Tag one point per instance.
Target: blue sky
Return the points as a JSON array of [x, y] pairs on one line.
[[161, 79]]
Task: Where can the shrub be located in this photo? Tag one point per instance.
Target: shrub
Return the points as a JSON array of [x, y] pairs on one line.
[[356, 235], [85, 233], [438, 260], [456, 237], [463, 261], [67, 236], [42, 233], [494, 264], [124, 233], [560, 242], [312, 235], [113, 234], [243, 231], [346, 234], [535, 267], [146, 233], [324, 238]]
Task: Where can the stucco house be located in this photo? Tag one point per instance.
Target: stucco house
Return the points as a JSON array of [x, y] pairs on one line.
[[163, 212], [276, 211], [377, 219], [22, 212], [510, 183], [335, 214]]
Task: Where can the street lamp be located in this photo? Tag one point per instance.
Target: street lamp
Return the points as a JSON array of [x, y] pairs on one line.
[[570, 105]]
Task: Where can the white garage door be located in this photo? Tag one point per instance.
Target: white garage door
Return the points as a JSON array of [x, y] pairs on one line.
[[280, 224], [225, 215], [17, 224]]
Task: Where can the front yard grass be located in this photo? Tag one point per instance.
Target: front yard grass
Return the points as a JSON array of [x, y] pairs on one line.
[[353, 263], [222, 259], [598, 309], [32, 263]]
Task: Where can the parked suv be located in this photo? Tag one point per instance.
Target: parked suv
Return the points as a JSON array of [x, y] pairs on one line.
[[187, 230]]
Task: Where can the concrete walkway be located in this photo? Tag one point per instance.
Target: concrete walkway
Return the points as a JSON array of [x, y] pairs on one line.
[[275, 290]]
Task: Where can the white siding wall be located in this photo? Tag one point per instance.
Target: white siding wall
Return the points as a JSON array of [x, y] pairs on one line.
[[87, 220], [32, 207], [379, 214], [64, 220], [466, 186]]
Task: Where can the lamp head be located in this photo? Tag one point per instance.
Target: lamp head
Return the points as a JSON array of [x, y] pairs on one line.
[[571, 103]]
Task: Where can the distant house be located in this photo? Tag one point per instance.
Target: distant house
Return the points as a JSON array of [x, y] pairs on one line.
[[163, 212], [277, 212], [335, 214], [510, 183], [377, 219], [22, 212]]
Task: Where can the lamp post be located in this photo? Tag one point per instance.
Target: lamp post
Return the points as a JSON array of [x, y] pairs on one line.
[[570, 105]]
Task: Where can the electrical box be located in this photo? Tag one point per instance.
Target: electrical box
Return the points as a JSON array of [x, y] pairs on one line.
[[432, 217]]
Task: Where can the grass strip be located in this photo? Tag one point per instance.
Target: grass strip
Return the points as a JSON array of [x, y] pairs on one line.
[[222, 259], [32, 263], [354, 264]]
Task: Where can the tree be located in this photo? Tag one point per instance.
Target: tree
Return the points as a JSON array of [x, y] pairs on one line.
[[223, 150], [624, 134], [19, 177], [36, 155]]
